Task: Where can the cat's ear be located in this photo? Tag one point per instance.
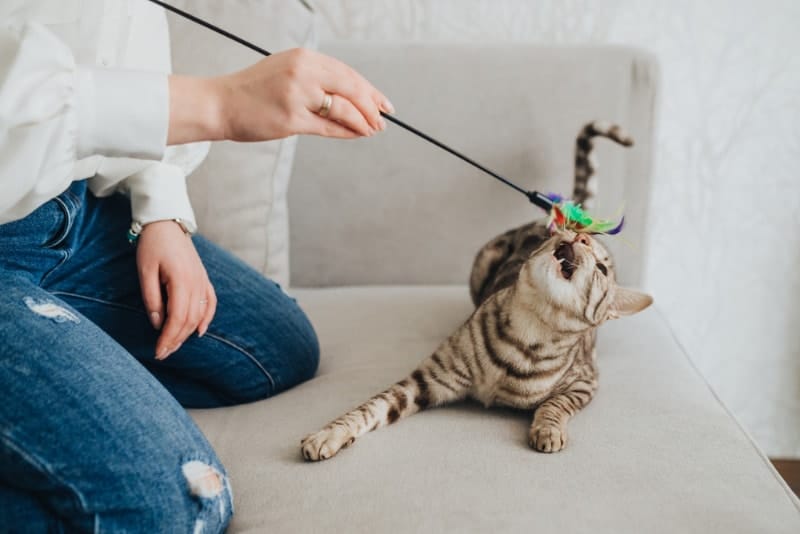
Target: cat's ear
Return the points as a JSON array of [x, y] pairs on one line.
[[627, 302]]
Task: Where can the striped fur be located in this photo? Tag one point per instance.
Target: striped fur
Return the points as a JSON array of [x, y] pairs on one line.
[[585, 188], [529, 344]]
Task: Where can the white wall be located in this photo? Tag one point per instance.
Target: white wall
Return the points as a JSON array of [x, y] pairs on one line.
[[726, 262]]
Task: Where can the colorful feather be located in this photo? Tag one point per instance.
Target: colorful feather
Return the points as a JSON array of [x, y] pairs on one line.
[[565, 214]]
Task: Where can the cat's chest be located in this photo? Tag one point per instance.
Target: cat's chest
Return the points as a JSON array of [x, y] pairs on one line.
[[510, 386]]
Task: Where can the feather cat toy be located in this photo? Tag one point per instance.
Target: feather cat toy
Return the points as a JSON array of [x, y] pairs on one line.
[[566, 214], [563, 213]]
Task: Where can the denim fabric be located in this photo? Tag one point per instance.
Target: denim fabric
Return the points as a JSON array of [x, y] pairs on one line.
[[93, 435]]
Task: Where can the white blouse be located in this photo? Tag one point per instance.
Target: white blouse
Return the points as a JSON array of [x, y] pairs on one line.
[[84, 94]]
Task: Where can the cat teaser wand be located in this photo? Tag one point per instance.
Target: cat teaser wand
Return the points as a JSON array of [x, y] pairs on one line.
[[563, 213]]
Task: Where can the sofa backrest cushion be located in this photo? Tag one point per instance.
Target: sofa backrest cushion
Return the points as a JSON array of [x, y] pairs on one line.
[[393, 209]]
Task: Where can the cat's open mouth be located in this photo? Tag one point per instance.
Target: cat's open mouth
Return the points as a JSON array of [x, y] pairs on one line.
[[565, 257]]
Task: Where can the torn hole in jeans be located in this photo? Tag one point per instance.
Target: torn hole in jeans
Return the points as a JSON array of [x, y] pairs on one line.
[[206, 483], [50, 310]]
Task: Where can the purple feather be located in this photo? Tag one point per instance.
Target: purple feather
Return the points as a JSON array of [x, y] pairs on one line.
[[617, 229]]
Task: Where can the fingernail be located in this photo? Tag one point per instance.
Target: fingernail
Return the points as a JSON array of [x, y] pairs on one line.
[[370, 132], [382, 123], [161, 354], [155, 320], [202, 332], [170, 352], [387, 105]]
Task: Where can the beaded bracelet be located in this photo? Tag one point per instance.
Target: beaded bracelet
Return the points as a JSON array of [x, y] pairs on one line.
[[136, 229]]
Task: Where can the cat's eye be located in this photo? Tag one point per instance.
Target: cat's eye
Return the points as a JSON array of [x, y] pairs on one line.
[[603, 269]]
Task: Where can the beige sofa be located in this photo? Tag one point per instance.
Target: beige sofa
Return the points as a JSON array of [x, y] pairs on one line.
[[382, 236]]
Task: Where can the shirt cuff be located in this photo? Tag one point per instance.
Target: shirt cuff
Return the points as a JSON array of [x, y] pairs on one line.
[[159, 193], [122, 113]]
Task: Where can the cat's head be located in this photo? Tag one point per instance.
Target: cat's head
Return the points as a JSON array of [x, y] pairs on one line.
[[575, 273]]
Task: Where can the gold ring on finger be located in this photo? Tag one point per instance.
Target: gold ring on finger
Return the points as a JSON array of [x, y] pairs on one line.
[[325, 108]]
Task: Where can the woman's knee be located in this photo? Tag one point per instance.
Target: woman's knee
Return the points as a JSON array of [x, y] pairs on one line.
[[264, 323], [303, 349], [271, 352], [289, 352]]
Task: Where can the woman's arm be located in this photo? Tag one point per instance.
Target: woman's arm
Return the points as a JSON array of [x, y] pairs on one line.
[[54, 112], [277, 97]]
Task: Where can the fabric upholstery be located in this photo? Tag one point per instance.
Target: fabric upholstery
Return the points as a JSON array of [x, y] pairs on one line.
[[654, 452], [395, 209], [239, 193]]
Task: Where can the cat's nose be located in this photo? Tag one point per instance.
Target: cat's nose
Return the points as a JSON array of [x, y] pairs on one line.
[[582, 238]]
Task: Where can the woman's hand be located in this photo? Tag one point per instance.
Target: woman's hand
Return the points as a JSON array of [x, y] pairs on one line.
[[166, 258], [279, 96]]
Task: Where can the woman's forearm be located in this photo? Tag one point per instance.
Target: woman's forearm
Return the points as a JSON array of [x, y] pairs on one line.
[[194, 110]]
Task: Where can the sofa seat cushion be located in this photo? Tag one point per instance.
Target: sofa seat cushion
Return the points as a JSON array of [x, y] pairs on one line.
[[654, 452]]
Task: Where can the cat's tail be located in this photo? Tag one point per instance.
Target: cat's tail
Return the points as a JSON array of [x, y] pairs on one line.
[[585, 187]]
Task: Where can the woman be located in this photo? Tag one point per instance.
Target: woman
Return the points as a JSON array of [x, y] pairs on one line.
[[102, 343]]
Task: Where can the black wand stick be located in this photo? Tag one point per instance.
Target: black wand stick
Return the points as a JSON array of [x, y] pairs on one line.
[[534, 196]]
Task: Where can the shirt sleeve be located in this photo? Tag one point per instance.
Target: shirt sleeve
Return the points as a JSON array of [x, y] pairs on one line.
[[54, 112], [159, 192]]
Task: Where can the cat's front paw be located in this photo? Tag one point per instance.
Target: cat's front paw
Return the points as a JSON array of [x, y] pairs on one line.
[[326, 443], [547, 438]]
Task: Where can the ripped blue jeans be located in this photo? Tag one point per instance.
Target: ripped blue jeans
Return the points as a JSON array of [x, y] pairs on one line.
[[93, 432]]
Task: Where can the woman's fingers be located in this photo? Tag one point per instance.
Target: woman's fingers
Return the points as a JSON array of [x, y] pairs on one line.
[[317, 125], [178, 295], [210, 310], [340, 79], [151, 294], [197, 308], [188, 311], [190, 308], [346, 114], [384, 103]]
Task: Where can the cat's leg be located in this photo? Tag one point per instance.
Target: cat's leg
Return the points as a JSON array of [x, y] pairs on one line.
[[548, 432], [440, 379]]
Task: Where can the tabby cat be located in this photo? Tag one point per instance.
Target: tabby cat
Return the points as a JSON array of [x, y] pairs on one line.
[[530, 343]]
